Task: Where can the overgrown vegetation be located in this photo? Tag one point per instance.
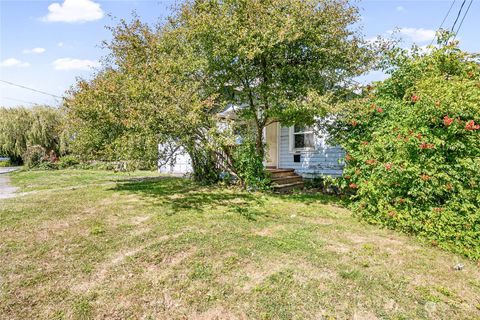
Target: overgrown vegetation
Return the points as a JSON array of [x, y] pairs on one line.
[[272, 60], [413, 151]]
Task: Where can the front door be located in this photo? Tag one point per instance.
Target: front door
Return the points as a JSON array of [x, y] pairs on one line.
[[271, 137]]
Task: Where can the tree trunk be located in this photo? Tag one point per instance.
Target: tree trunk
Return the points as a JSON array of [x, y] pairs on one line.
[[259, 142]]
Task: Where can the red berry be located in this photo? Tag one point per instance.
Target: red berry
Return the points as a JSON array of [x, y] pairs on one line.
[[470, 125], [447, 121]]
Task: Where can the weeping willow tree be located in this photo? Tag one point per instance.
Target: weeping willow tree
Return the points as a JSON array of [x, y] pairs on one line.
[[23, 127]]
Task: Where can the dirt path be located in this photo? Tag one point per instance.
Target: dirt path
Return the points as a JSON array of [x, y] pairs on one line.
[[6, 190]]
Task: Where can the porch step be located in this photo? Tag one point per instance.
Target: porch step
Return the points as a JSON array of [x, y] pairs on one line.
[[277, 173], [285, 188], [285, 180]]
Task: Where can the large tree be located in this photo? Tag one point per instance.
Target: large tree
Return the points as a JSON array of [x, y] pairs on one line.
[[277, 60], [144, 96]]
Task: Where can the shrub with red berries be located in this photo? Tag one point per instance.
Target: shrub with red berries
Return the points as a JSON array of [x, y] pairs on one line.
[[426, 136]]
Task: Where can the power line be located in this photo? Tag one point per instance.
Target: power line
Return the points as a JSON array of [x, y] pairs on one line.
[[458, 15], [18, 100], [461, 22], [444, 18], [31, 89]]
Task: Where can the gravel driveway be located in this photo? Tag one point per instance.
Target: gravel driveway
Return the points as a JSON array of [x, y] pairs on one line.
[[6, 190]]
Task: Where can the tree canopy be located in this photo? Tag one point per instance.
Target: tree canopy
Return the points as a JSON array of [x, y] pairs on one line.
[[275, 60]]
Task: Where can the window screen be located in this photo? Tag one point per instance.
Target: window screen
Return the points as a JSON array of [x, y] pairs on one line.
[[303, 137]]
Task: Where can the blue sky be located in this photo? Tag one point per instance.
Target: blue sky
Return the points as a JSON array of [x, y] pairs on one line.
[[45, 45]]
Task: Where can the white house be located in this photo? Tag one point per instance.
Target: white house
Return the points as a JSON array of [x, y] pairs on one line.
[[300, 148]]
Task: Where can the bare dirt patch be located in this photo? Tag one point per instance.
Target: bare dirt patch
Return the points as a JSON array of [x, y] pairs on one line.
[[338, 247], [139, 219], [216, 313]]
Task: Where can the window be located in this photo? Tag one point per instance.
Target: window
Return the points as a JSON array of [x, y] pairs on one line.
[[303, 138]]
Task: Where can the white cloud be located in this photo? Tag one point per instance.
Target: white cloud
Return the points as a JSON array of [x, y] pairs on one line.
[[427, 48], [74, 64], [12, 62], [60, 44], [371, 40], [35, 50], [401, 9], [418, 34], [74, 11]]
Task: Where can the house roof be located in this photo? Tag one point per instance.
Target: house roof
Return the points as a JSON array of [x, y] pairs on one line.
[[231, 111]]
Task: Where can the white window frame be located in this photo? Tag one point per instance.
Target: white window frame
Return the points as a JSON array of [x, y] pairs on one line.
[[292, 134]]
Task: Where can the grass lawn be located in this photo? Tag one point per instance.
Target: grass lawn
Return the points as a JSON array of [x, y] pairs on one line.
[[95, 244]]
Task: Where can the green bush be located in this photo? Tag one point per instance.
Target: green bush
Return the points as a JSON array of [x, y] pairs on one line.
[[249, 166], [68, 162], [413, 149], [34, 156], [5, 163], [324, 184], [38, 157]]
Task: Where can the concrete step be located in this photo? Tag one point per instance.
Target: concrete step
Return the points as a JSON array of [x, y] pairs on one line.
[[286, 180], [285, 188]]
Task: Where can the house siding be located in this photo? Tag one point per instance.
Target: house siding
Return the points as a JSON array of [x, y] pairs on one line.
[[179, 164], [324, 160]]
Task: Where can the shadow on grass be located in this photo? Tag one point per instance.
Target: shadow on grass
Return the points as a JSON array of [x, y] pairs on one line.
[[314, 197], [182, 194]]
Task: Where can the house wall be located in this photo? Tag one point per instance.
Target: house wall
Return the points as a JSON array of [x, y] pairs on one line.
[[180, 162], [324, 160]]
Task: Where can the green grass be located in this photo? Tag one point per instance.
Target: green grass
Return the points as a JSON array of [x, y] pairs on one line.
[[5, 163], [94, 244]]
